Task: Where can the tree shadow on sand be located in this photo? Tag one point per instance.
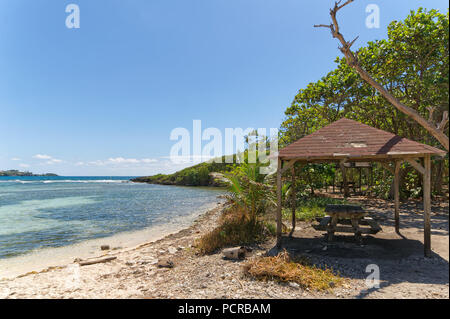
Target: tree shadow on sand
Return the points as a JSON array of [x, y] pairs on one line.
[[400, 257], [411, 215], [399, 260]]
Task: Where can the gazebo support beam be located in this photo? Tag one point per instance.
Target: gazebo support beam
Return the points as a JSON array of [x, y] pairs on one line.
[[413, 162], [426, 174], [287, 166], [427, 206], [397, 195], [293, 198], [279, 186]]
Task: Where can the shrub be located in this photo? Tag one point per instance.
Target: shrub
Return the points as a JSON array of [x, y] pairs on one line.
[[235, 229], [249, 191], [271, 228], [310, 208]]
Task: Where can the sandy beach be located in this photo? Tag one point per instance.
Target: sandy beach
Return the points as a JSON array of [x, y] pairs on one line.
[[60, 256], [134, 273], [71, 280]]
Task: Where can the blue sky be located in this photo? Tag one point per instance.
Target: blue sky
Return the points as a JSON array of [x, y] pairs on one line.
[[103, 99]]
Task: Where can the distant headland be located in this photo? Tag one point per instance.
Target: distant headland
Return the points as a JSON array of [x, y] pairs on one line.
[[14, 172]]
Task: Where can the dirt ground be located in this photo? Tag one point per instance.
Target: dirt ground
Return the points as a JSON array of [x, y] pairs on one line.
[[404, 272]]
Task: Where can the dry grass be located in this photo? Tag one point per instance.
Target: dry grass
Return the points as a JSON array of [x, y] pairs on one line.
[[235, 229], [285, 269]]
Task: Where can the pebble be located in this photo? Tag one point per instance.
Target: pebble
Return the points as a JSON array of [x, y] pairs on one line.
[[294, 285]]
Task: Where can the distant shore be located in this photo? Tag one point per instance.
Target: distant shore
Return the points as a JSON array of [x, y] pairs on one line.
[[203, 174], [16, 173]]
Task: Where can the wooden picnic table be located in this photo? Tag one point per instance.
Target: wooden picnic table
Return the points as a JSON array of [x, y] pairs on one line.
[[343, 214]]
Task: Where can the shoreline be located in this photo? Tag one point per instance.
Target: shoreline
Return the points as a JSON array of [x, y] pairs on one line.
[[139, 272], [125, 276], [46, 259]]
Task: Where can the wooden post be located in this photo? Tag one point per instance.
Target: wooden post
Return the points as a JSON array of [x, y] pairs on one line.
[[332, 227], [279, 224], [344, 179], [356, 229], [293, 204], [397, 196], [360, 180], [427, 205]]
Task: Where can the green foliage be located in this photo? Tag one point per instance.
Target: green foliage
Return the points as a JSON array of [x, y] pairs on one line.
[[382, 187], [250, 196], [14, 172], [248, 189], [271, 227], [412, 63], [310, 208], [198, 175], [312, 177]]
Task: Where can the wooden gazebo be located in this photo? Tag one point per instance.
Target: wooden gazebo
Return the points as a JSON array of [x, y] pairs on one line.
[[349, 141]]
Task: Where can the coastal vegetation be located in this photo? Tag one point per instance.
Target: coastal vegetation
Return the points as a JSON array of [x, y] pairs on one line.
[[14, 172], [250, 198], [197, 175], [420, 28], [413, 63], [235, 228]]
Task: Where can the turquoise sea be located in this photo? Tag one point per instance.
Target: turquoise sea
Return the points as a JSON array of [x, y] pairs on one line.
[[43, 212]]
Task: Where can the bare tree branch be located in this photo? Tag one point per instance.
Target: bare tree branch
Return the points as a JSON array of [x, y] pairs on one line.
[[444, 121], [336, 4], [436, 130], [322, 26], [431, 110], [351, 43]]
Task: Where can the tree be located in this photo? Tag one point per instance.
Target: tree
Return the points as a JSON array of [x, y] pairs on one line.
[[412, 64], [436, 130]]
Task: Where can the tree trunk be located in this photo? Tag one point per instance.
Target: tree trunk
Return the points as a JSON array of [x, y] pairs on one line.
[[401, 182], [344, 180], [439, 171]]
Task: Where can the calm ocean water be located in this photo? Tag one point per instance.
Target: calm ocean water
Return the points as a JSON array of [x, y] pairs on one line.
[[43, 212]]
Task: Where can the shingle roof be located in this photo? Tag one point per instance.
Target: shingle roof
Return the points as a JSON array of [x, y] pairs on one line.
[[346, 138]]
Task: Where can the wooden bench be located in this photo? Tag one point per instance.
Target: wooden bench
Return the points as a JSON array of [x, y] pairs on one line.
[[347, 215]]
